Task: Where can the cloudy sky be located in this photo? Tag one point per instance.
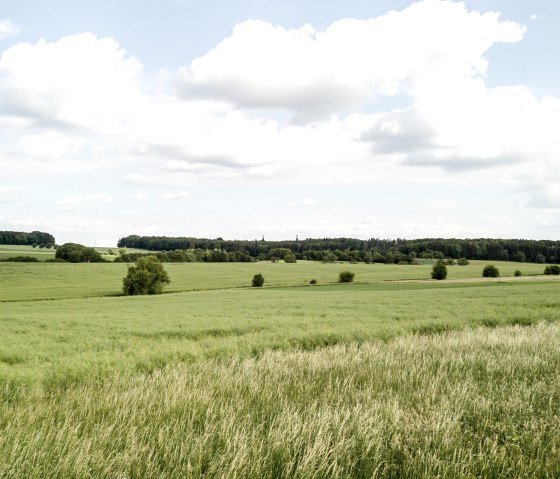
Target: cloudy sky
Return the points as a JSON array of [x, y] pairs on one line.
[[315, 118]]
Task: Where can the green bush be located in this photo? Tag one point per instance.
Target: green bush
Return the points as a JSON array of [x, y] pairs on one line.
[[345, 277], [439, 271], [462, 261], [258, 281], [313, 281], [490, 271], [552, 269], [21, 259], [518, 273], [289, 258], [77, 253], [146, 276]]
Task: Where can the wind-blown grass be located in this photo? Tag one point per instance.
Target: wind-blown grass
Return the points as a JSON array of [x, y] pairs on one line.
[[474, 403], [70, 340]]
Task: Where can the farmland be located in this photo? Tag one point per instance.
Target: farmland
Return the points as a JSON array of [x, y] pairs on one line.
[[387, 376]]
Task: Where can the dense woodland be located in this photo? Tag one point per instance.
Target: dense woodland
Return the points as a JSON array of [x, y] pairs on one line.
[[349, 249], [374, 250], [37, 238]]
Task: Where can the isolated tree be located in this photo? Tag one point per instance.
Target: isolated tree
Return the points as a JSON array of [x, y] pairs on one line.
[[439, 271], [345, 277], [490, 271], [258, 281], [146, 276]]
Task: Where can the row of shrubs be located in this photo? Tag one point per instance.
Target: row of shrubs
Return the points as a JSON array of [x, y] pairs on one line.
[[439, 271]]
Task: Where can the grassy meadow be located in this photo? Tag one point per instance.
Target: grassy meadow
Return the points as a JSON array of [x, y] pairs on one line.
[[31, 281], [473, 403], [395, 375], [42, 254]]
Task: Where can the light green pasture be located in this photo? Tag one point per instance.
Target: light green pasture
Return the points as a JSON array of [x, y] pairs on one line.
[[57, 281], [9, 251], [72, 339]]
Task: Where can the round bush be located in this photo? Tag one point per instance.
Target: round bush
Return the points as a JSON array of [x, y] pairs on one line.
[[439, 271], [345, 277], [490, 271], [258, 281], [518, 273], [313, 281], [552, 269]]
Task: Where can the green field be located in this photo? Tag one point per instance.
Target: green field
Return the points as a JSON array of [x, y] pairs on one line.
[[385, 377], [42, 254], [62, 281], [9, 251]]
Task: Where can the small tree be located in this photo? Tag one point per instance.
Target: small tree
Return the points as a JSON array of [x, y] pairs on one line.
[[289, 258], [518, 273], [439, 271], [552, 269], [258, 281], [345, 277], [490, 271], [146, 276]]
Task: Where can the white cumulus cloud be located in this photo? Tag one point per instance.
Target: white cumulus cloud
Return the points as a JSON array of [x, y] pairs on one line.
[[315, 73], [78, 81]]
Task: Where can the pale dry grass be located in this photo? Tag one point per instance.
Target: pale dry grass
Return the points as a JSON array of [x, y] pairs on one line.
[[475, 403]]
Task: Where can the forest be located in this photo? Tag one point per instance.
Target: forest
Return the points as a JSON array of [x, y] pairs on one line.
[[37, 238], [350, 249]]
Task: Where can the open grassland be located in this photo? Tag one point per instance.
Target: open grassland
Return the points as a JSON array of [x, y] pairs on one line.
[[391, 376], [71, 339], [9, 251], [473, 403], [42, 254], [62, 281]]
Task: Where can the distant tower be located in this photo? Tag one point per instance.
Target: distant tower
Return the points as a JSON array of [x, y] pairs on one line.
[[262, 237], [297, 237]]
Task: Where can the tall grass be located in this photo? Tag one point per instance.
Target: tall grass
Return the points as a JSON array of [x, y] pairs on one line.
[[475, 403], [71, 340]]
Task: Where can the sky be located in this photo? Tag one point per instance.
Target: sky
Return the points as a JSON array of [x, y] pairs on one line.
[[310, 118]]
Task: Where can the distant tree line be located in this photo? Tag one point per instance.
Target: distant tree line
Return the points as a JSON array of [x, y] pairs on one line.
[[35, 238], [374, 250], [190, 256]]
